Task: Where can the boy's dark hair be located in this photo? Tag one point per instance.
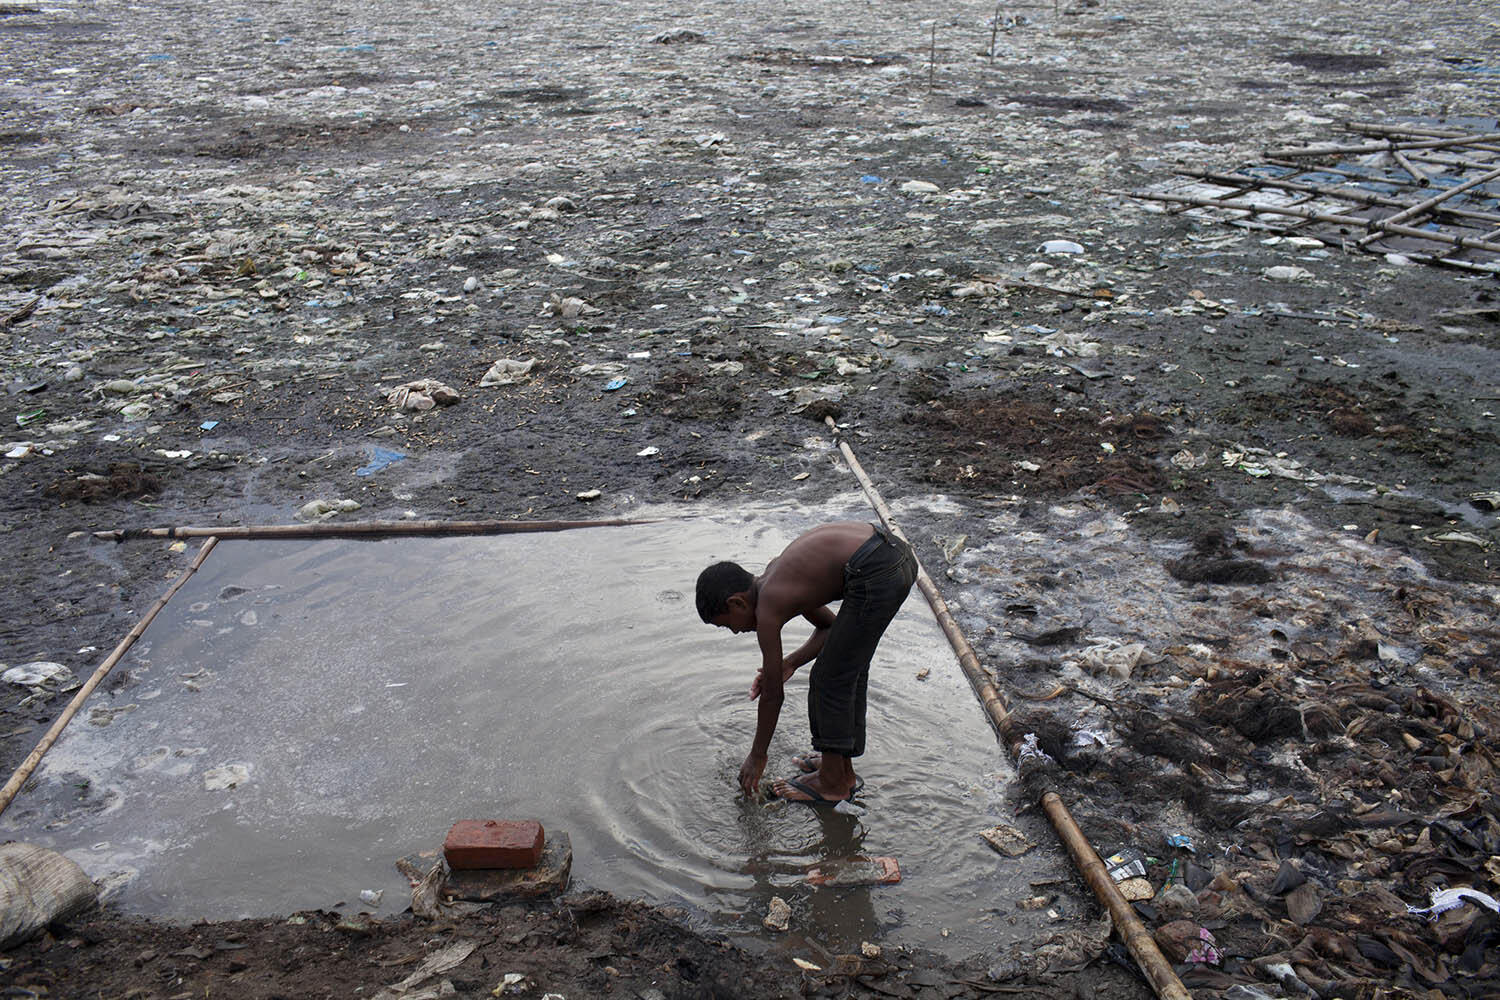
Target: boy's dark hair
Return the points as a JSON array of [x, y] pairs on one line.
[[717, 584]]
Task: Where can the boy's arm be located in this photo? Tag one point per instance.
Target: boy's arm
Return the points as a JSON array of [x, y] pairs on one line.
[[822, 621], [772, 694]]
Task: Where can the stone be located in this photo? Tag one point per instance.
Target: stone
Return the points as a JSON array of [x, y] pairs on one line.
[[494, 843], [1008, 840], [493, 885], [857, 871]]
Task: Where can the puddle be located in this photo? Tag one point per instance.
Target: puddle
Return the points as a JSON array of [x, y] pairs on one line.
[[304, 713]]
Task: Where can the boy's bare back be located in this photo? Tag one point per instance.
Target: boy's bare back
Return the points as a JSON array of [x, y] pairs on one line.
[[809, 573]]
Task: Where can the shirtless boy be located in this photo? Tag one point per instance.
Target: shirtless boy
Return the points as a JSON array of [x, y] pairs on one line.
[[867, 568]]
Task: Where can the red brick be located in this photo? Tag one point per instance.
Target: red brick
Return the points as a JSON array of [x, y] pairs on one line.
[[494, 843]]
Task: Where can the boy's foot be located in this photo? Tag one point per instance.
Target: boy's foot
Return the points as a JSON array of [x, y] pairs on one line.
[[807, 763], [802, 790], [810, 762]]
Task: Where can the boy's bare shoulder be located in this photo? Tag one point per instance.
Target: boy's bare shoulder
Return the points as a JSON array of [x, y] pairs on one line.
[[810, 571]]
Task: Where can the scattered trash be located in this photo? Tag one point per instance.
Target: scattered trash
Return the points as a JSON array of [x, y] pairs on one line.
[[679, 36], [506, 372], [1444, 900], [571, 307], [421, 395], [371, 897], [1008, 840], [322, 510], [1284, 272], [778, 915], [38, 887], [436, 964], [41, 676], [1185, 941], [1127, 863], [380, 458], [588, 495], [1061, 246]]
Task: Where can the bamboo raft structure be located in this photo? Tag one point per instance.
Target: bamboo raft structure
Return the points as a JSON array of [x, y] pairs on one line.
[[1428, 192]]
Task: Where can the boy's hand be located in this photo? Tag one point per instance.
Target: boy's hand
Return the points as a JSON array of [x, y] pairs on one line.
[[750, 772], [786, 675]]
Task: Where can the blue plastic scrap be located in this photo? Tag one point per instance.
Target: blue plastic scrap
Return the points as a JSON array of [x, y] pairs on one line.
[[616, 383], [379, 459]]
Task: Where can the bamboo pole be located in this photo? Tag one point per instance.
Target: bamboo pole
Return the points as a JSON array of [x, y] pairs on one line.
[[1420, 175], [13, 786], [360, 529], [1462, 242], [1132, 931], [1332, 149], [1422, 207], [1137, 939], [1372, 128]]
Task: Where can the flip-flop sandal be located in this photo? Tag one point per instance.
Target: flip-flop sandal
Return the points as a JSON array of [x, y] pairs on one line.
[[813, 798], [804, 763]]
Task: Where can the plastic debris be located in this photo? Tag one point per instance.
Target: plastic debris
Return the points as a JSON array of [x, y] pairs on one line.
[[380, 458], [321, 510], [778, 915], [41, 675], [1444, 900], [421, 395], [1127, 863], [507, 371]]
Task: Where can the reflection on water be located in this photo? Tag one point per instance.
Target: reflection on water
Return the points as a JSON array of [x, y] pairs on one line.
[[362, 696]]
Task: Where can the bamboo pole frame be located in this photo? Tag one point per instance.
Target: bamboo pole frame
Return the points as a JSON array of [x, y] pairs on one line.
[[1368, 199], [1137, 939], [361, 529], [1421, 208], [212, 536], [1414, 131], [22, 773], [1459, 242], [1337, 149]]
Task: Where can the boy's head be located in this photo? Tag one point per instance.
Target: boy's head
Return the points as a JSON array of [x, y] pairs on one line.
[[717, 584]]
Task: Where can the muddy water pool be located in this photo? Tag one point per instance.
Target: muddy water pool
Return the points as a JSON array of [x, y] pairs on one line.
[[304, 713]]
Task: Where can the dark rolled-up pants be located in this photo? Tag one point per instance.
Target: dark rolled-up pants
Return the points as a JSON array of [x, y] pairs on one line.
[[877, 579]]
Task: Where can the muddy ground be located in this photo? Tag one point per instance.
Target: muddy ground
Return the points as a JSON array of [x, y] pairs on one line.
[[229, 234]]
